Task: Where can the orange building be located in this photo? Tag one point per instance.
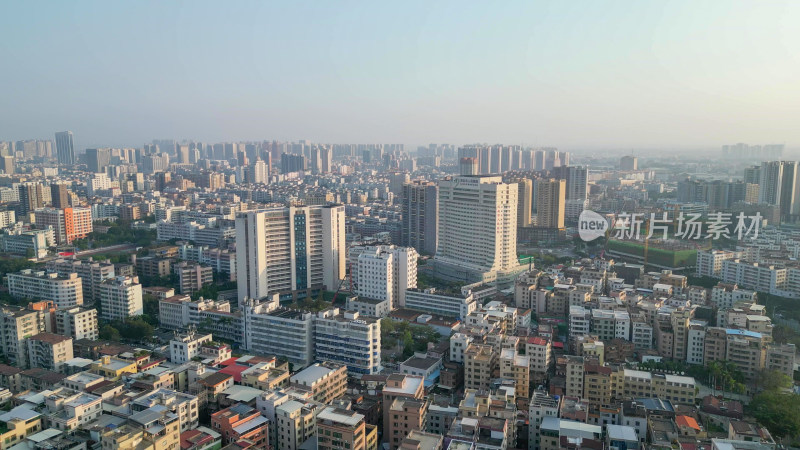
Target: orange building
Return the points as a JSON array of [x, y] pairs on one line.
[[241, 421]]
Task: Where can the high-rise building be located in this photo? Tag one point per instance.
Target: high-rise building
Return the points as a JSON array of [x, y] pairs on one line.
[[59, 195], [384, 272], [64, 148], [550, 201], [16, 325], [779, 186], [420, 208], [97, 159], [258, 173], [577, 181], [68, 223], [468, 166], [477, 232], [293, 163], [345, 337], [30, 197], [121, 298], [524, 201], [290, 251], [92, 273], [7, 164], [629, 163], [752, 175]]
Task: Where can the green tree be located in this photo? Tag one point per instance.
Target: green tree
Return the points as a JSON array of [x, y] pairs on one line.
[[387, 326], [779, 412], [150, 304], [773, 380], [109, 333], [137, 329]]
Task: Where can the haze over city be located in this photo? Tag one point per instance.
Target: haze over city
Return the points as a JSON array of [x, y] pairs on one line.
[[580, 75], [522, 225]]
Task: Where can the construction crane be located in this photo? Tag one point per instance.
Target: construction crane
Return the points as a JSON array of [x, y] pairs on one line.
[[345, 279]]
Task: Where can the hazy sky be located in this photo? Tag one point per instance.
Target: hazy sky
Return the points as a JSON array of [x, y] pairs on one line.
[[573, 74]]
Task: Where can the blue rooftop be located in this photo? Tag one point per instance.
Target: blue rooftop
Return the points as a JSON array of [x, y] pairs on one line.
[[738, 332]]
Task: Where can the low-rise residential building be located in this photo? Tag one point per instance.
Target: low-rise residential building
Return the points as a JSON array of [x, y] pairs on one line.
[[241, 421], [296, 422], [517, 368], [399, 386], [192, 276], [113, 368], [441, 303], [327, 381], [368, 306], [184, 406], [422, 365], [340, 429], [186, 346], [405, 415], [17, 424], [69, 410], [479, 362]]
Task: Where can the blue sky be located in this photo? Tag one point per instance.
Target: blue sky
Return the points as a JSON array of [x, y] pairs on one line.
[[573, 74]]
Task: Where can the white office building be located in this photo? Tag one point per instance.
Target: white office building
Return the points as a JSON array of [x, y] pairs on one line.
[[66, 291], [477, 234], [441, 303], [292, 251], [347, 338], [121, 298], [384, 272]]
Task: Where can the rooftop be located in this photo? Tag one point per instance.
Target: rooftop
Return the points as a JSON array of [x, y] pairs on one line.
[[312, 374], [50, 338], [341, 416]]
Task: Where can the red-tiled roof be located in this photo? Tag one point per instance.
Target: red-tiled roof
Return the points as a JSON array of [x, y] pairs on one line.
[[687, 421], [537, 340], [235, 370]]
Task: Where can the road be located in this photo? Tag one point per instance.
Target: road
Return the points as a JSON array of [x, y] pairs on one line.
[[119, 248]]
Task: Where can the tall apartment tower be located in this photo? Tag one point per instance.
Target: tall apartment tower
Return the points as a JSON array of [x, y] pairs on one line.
[[525, 201], [64, 148], [420, 208], [550, 202], [468, 166], [477, 224], [779, 186], [7, 164], [97, 159], [629, 163], [577, 179], [289, 250], [752, 175], [30, 197], [59, 195]]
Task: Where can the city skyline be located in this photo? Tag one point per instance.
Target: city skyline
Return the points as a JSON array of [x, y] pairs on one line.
[[579, 76]]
